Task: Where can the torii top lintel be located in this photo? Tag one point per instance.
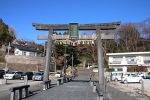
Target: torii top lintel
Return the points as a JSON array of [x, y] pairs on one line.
[[102, 26]]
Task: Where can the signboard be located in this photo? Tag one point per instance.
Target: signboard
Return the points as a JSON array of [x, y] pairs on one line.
[[42, 37], [73, 30], [103, 36], [66, 55]]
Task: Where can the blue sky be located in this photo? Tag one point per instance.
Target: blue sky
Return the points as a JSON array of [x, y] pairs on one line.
[[21, 13]]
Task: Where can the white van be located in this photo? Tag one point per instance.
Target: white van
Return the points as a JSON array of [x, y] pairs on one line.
[[116, 76]]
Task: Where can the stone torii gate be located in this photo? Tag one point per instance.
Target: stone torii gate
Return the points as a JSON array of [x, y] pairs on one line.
[[97, 27]]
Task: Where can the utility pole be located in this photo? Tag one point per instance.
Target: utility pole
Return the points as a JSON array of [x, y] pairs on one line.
[[6, 67], [143, 47], [7, 56], [72, 61], [65, 61]]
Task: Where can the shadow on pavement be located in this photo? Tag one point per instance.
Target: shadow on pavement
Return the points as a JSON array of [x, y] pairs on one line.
[[35, 92], [79, 81]]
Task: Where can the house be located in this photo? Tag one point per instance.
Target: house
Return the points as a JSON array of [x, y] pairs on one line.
[[120, 61], [23, 50]]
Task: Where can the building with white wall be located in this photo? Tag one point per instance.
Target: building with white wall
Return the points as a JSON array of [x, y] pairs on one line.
[[25, 50], [120, 61]]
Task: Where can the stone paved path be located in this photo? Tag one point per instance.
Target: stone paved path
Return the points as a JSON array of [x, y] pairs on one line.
[[78, 89]]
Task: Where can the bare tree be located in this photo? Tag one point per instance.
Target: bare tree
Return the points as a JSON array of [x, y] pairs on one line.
[[128, 37], [144, 29], [12, 32]]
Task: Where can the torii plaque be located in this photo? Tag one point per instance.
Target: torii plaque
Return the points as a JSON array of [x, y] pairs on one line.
[[97, 27]]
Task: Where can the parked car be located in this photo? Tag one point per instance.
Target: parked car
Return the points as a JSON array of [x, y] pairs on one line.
[[116, 76], [28, 74], [19, 73], [12, 75], [130, 77], [95, 68], [38, 76], [58, 74], [41, 71], [2, 73], [2, 70], [126, 74], [142, 74], [147, 75]]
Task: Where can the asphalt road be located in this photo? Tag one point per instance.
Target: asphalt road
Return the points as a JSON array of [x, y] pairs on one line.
[[4, 89]]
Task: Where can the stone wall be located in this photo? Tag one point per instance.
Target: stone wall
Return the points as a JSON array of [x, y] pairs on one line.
[[21, 67], [24, 59], [2, 52], [23, 63]]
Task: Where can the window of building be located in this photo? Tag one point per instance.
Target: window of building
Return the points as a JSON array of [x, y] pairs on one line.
[[119, 69], [86, 42], [24, 53], [90, 42], [17, 52], [32, 54], [146, 59], [130, 58], [117, 58]]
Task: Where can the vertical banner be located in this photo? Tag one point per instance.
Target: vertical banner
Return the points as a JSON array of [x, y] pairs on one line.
[[73, 30]]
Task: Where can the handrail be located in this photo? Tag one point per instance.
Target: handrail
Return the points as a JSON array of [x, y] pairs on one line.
[[99, 93]]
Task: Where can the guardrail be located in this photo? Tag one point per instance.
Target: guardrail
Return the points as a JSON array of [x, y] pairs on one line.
[[46, 84], [60, 80], [96, 88], [99, 93], [69, 78], [19, 88]]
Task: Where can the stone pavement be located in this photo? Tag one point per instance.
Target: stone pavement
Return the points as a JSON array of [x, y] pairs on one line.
[[78, 89]]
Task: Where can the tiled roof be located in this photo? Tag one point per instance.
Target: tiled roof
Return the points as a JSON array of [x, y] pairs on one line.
[[25, 48]]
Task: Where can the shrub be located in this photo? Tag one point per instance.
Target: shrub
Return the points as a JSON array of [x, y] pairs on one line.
[[137, 69], [2, 59], [110, 69]]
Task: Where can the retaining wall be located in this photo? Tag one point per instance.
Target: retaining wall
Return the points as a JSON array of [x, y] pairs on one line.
[[23, 63]]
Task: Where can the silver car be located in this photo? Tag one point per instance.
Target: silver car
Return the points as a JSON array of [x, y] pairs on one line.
[[126, 78], [38, 76], [12, 75], [116, 76], [58, 74]]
